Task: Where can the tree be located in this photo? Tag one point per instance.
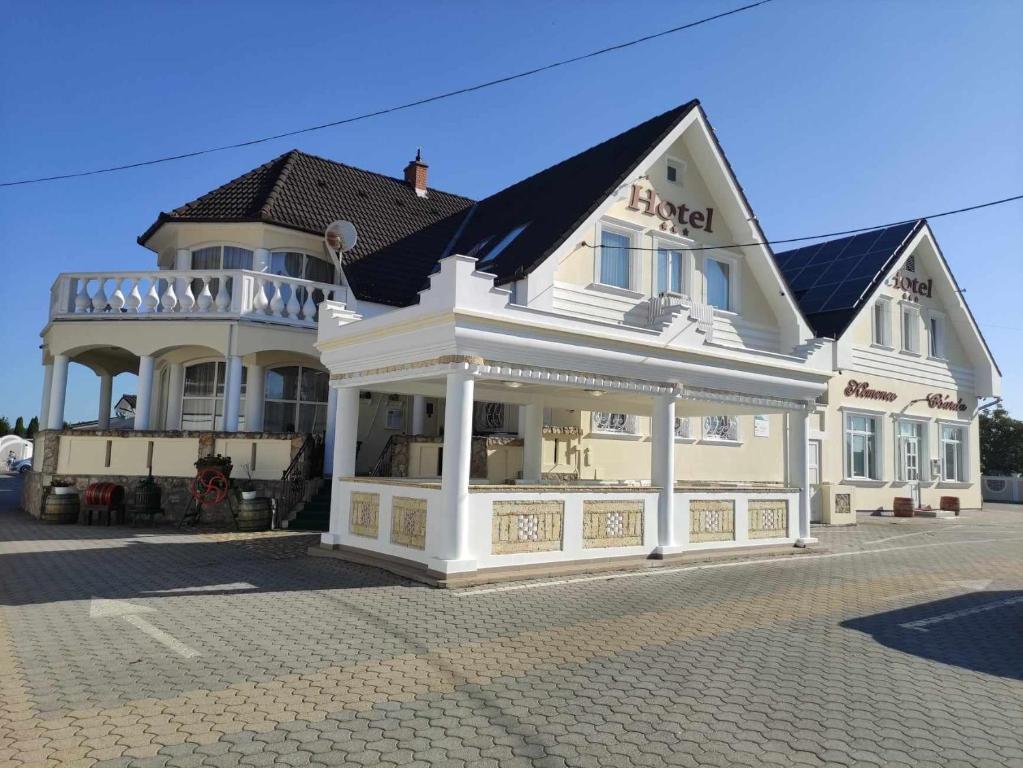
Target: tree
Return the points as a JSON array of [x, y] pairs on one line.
[[19, 427], [33, 427], [1001, 443], [5, 426]]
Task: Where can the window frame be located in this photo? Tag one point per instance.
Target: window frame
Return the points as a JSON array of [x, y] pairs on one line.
[[680, 167], [687, 436], [630, 231], [631, 425], [662, 241], [707, 438], [963, 457], [298, 401], [939, 351], [885, 304], [732, 262], [218, 399], [221, 245], [923, 456], [306, 256], [909, 311], [876, 453]]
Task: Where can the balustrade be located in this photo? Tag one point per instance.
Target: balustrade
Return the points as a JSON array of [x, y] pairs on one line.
[[202, 293]]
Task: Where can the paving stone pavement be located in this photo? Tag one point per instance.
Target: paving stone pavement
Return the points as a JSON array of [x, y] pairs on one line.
[[898, 642]]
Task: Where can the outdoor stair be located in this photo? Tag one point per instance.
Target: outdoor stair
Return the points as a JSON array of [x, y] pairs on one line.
[[313, 515]]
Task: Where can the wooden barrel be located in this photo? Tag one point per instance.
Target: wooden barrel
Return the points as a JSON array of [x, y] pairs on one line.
[[254, 514], [104, 495], [903, 506], [60, 509], [950, 504]]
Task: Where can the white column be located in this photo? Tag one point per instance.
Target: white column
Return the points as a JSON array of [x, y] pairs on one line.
[[44, 405], [255, 384], [175, 389], [144, 395], [453, 553], [418, 414], [346, 440], [106, 392], [522, 421], [662, 471], [232, 393], [58, 390], [532, 441], [799, 434], [328, 435]]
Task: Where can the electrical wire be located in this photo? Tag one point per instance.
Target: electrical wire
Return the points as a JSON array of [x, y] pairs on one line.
[[968, 208], [390, 110]]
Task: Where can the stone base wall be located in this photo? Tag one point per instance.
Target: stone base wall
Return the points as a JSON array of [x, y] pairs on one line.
[[176, 493]]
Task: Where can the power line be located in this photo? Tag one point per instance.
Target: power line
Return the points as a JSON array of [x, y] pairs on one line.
[[389, 110], [814, 237]]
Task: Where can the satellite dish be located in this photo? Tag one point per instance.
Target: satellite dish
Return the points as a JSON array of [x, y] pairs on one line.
[[340, 237]]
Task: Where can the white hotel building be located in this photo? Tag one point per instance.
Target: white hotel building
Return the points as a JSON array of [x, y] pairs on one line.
[[602, 361]]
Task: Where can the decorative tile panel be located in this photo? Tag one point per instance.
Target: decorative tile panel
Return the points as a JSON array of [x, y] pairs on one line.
[[711, 520], [365, 517], [612, 524], [843, 503], [527, 526], [768, 519], [408, 522]]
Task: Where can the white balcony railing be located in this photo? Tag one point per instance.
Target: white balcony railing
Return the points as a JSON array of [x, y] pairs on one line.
[[176, 294]]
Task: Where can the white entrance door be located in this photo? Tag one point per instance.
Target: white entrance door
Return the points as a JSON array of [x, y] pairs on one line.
[[814, 479], [910, 433]]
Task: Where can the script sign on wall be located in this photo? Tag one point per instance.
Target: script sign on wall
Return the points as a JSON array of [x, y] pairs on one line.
[[946, 403], [862, 390]]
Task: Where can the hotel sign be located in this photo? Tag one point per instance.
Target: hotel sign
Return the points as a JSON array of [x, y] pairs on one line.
[[911, 285], [673, 214]]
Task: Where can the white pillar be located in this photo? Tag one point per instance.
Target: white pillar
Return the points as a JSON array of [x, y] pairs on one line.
[[175, 389], [232, 393], [662, 472], [532, 441], [44, 405], [346, 431], [799, 434], [418, 414], [453, 553], [144, 395], [522, 421], [328, 435], [255, 384], [58, 390], [106, 392]]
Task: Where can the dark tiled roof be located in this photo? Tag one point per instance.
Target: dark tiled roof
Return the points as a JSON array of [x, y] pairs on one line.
[[832, 280], [402, 236], [554, 203], [402, 232]]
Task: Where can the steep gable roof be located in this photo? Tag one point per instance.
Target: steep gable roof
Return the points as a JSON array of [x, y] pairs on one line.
[[832, 280], [514, 230]]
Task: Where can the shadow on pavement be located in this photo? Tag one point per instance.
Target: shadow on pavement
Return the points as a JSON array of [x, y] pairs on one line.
[[979, 631]]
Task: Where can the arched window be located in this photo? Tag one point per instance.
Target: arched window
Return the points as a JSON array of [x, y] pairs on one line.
[[301, 265], [295, 399], [202, 401]]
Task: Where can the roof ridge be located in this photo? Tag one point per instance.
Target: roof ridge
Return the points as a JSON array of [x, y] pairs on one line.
[[377, 173], [265, 208]]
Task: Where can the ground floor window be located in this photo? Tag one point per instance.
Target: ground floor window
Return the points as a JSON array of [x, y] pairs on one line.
[[295, 399], [682, 429], [608, 423], [202, 402], [953, 453], [861, 447], [723, 428], [491, 417]]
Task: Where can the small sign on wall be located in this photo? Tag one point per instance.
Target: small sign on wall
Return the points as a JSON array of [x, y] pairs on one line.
[[761, 426]]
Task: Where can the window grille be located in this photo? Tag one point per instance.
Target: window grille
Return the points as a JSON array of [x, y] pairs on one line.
[[720, 428], [614, 423]]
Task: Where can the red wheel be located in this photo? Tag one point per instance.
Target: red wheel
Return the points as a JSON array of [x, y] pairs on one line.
[[210, 486]]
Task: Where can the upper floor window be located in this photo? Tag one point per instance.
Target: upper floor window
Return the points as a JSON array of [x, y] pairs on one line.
[[301, 265], [724, 428], [222, 257], [718, 276], [910, 329], [882, 323], [674, 170], [202, 400], [936, 326], [669, 271], [615, 261]]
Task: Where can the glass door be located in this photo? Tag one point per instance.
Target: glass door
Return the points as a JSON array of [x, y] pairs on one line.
[[910, 433], [814, 479]]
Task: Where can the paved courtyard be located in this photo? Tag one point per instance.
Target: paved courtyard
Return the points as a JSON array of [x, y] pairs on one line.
[[894, 643]]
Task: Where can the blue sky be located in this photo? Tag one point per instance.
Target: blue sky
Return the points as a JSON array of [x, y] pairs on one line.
[[834, 115]]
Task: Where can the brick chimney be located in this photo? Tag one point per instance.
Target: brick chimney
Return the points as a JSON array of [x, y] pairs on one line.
[[415, 174]]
